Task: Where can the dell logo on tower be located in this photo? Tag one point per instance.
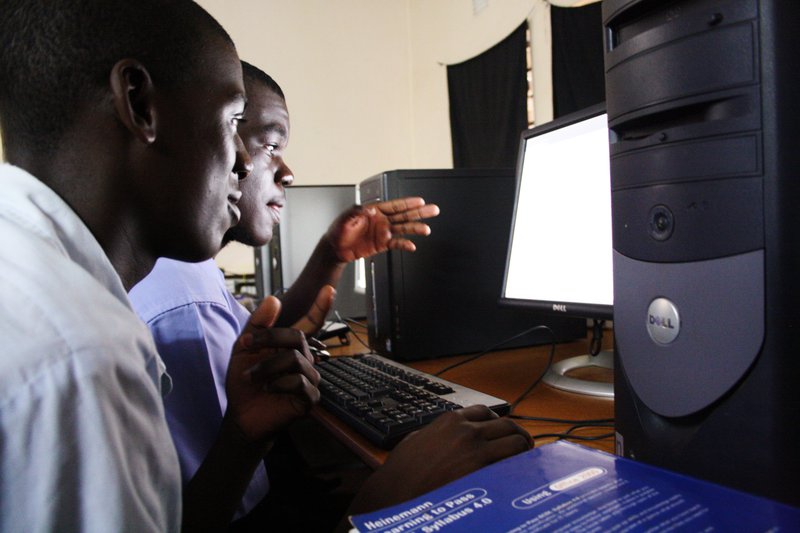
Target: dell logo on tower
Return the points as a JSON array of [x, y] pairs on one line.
[[663, 321]]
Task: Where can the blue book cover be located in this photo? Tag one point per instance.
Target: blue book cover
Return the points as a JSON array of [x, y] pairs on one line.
[[567, 487]]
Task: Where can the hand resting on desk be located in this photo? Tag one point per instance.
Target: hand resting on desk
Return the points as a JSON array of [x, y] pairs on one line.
[[277, 383], [272, 381], [453, 445]]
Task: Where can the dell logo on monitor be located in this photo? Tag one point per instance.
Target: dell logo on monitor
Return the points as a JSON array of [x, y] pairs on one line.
[[560, 307], [663, 321]]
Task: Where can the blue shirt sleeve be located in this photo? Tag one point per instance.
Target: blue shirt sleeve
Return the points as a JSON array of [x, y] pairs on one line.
[[194, 341]]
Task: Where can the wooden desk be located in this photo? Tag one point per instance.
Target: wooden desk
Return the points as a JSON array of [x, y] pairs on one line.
[[505, 374]]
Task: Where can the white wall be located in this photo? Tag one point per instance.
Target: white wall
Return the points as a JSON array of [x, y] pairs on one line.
[[365, 80], [343, 65]]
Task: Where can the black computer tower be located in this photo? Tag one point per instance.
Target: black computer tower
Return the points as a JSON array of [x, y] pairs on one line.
[[442, 299], [702, 98]]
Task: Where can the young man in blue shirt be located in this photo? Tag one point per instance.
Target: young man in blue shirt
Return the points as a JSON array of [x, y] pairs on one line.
[[119, 120]]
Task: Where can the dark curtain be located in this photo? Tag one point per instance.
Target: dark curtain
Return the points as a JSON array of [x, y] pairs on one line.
[[488, 105], [578, 73]]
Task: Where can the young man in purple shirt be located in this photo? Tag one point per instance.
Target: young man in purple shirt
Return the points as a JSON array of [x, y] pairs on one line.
[[193, 317]]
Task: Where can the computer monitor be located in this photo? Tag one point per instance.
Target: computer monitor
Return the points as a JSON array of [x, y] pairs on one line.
[[560, 252], [309, 211]]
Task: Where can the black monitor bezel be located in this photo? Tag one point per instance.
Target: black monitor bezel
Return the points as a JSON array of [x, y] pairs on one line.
[[573, 309]]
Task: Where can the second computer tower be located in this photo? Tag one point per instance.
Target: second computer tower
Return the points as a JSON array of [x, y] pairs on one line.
[[443, 298], [705, 165]]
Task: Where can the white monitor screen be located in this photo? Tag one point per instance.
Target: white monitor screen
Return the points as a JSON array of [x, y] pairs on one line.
[[560, 253]]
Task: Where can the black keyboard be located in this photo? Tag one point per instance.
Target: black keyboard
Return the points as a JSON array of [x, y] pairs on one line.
[[385, 400]]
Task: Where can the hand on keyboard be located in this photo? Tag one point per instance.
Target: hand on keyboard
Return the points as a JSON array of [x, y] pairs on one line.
[[453, 445]]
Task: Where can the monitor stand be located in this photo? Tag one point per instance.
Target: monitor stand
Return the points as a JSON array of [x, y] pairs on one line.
[[556, 375]]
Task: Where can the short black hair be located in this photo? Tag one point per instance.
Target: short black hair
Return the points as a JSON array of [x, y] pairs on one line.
[[255, 74], [56, 55]]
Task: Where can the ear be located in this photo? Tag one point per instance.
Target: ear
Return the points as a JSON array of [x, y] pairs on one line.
[[133, 93]]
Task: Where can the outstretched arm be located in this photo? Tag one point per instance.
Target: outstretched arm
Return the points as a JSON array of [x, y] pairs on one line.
[[360, 231]]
